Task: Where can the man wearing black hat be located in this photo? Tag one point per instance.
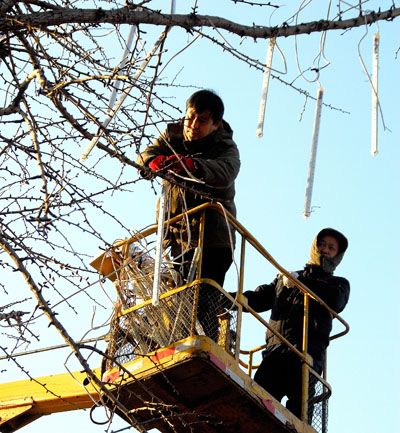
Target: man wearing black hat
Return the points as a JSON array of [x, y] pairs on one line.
[[280, 371]]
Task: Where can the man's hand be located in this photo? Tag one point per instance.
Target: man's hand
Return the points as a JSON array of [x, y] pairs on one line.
[[287, 282], [158, 163], [175, 163]]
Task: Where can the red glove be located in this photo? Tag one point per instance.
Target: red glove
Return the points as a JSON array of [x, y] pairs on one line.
[[177, 161], [158, 162]]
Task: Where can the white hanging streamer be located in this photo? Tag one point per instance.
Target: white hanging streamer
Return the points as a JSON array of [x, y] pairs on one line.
[[193, 265], [161, 219], [267, 74], [121, 64], [375, 102], [313, 156], [159, 245], [125, 93], [113, 108]]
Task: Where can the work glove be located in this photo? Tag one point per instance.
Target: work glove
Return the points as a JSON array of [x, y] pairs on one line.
[[158, 162], [174, 163], [287, 282]]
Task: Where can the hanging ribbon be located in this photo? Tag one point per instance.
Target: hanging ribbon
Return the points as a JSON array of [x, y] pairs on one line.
[[267, 74], [159, 245], [313, 156], [112, 110], [121, 64], [375, 102]]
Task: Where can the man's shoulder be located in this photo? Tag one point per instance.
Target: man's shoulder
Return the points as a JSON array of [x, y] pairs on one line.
[[225, 133], [224, 142], [341, 282]]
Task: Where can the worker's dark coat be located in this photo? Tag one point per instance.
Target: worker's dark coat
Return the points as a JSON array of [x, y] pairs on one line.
[[217, 163], [287, 305]]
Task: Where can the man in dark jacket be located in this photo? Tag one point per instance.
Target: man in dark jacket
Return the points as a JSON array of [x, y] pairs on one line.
[[280, 371], [200, 151]]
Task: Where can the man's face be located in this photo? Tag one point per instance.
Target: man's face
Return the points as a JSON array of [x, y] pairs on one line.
[[328, 246], [198, 125]]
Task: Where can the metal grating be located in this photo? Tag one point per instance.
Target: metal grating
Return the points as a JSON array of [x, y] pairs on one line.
[[318, 404], [149, 327]]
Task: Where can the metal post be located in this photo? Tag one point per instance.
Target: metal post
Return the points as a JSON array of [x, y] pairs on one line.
[[240, 309], [305, 371], [325, 400]]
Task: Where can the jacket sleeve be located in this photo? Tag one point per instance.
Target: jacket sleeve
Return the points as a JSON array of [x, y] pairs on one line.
[[159, 147], [262, 299], [335, 291], [221, 170]]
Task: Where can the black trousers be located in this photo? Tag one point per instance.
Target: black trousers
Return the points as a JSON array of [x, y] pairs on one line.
[[280, 373], [215, 264]]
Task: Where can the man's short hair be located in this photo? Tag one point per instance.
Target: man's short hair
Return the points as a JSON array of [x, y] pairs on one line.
[[207, 100]]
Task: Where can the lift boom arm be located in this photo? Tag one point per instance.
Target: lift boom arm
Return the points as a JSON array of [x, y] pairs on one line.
[[24, 401]]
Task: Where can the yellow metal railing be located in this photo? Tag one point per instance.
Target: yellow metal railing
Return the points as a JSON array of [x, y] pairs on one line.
[[114, 263]]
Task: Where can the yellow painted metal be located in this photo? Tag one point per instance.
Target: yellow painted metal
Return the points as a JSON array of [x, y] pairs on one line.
[[21, 402], [164, 295], [240, 229], [170, 357], [305, 371], [240, 297], [24, 401], [15, 408], [246, 237]]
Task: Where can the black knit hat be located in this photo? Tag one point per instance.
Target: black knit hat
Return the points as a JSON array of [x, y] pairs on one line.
[[342, 240]]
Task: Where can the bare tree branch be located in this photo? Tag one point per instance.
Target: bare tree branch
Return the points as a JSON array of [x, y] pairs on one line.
[[131, 15], [63, 332], [58, 67]]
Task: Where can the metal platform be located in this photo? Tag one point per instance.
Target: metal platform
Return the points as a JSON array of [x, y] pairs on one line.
[[195, 386]]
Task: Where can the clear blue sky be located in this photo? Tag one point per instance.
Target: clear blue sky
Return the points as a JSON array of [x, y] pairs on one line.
[[354, 192]]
